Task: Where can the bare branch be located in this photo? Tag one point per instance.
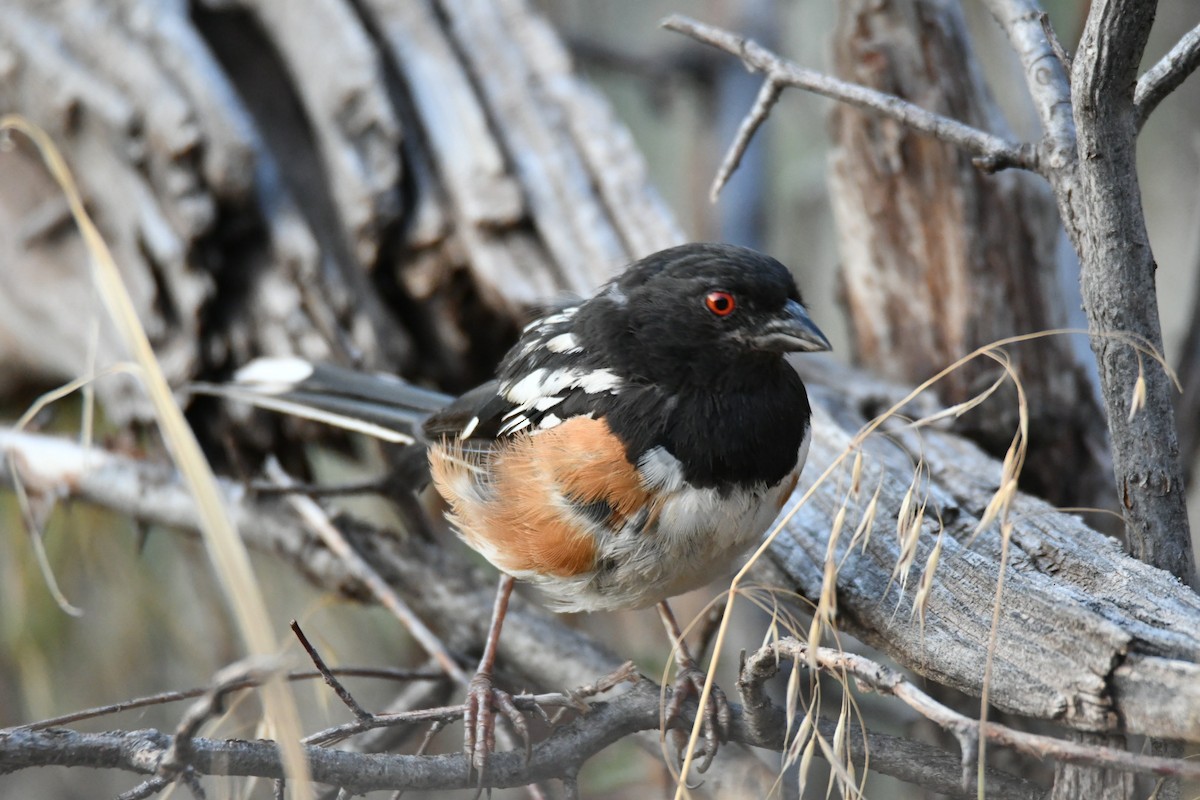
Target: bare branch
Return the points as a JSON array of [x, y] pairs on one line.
[[991, 152], [569, 746], [1045, 76], [176, 762], [1166, 76], [573, 700], [1056, 45], [572, 744], [1100, 198], [342, 692], [318, 520], [879, 678], [385, 673], [768, 95]]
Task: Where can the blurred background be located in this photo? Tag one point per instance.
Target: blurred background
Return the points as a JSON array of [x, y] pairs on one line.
[[153, 617]]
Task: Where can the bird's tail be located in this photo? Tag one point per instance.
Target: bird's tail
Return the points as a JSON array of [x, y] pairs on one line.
[[376, 404]]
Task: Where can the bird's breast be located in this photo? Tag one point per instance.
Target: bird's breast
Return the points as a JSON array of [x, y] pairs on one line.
[[566, 510]]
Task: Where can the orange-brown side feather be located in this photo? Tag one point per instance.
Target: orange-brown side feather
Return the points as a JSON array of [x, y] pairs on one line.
[[518, 508]]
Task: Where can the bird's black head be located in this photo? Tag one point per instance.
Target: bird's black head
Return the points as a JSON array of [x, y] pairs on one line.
[[688, 312]]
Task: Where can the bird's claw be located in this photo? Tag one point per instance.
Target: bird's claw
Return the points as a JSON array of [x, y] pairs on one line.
[[479, 722], [717, 718]]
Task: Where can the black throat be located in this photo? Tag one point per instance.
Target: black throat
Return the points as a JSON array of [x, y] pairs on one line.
[[742, 427]]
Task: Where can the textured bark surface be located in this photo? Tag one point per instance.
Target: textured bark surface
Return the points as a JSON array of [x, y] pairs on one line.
[[939, 258], [1077, 626], [1102, 200], [404, 212], [1089, 637]]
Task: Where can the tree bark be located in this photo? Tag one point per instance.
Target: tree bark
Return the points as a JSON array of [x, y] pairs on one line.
[[1102, 200], [939, 258], [405, 214]]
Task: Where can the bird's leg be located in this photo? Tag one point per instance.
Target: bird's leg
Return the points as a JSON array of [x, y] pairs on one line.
[[484, 699], [689, 680]]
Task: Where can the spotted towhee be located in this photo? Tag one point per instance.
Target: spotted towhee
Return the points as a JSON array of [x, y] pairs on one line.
[[630, 448]]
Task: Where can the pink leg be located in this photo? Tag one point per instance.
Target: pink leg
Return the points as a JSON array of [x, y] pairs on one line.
[[689, 681], [483, 699]]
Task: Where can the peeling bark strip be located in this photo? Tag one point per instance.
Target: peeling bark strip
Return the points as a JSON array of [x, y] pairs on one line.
[[451, 172]]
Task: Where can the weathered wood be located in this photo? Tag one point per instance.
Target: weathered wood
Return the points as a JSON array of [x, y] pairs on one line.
[[353, 123], [1102, 203], [1075, 608], [1089, 637], [263, 177], [939, 258], [138, 181]]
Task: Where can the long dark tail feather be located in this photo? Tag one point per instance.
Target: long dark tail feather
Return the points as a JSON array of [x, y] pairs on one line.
[[375, 404]]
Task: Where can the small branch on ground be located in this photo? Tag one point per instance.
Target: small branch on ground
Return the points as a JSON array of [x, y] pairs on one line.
[[765, 663]]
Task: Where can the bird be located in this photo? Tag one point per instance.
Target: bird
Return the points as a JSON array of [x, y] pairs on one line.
[[630, 448]]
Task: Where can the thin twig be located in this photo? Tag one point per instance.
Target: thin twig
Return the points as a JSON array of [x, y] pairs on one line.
[[1166, 76], [768, 96], [383, 673], [991, 152], [1045, 77], [572, 701], [1056, 45], [342, 692], [319, 521], [178, 757], [883, 680]]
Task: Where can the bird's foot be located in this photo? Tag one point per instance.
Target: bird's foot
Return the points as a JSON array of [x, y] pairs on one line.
[[716, 715], [479, 721]]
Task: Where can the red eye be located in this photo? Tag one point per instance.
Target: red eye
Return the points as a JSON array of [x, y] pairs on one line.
[[720, 303]]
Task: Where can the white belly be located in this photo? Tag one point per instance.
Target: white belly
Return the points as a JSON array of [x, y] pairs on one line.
[[699, 536]]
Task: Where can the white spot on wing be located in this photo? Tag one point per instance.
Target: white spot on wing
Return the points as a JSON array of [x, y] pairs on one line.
[[601, 380], [543, 383], [553, 319], [469, 428], [515, 425], [528, 389], [274, 374], [549, 421], [564, 343]]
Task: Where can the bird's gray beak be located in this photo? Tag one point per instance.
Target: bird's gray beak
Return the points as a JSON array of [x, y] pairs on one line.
[[791, 331]]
